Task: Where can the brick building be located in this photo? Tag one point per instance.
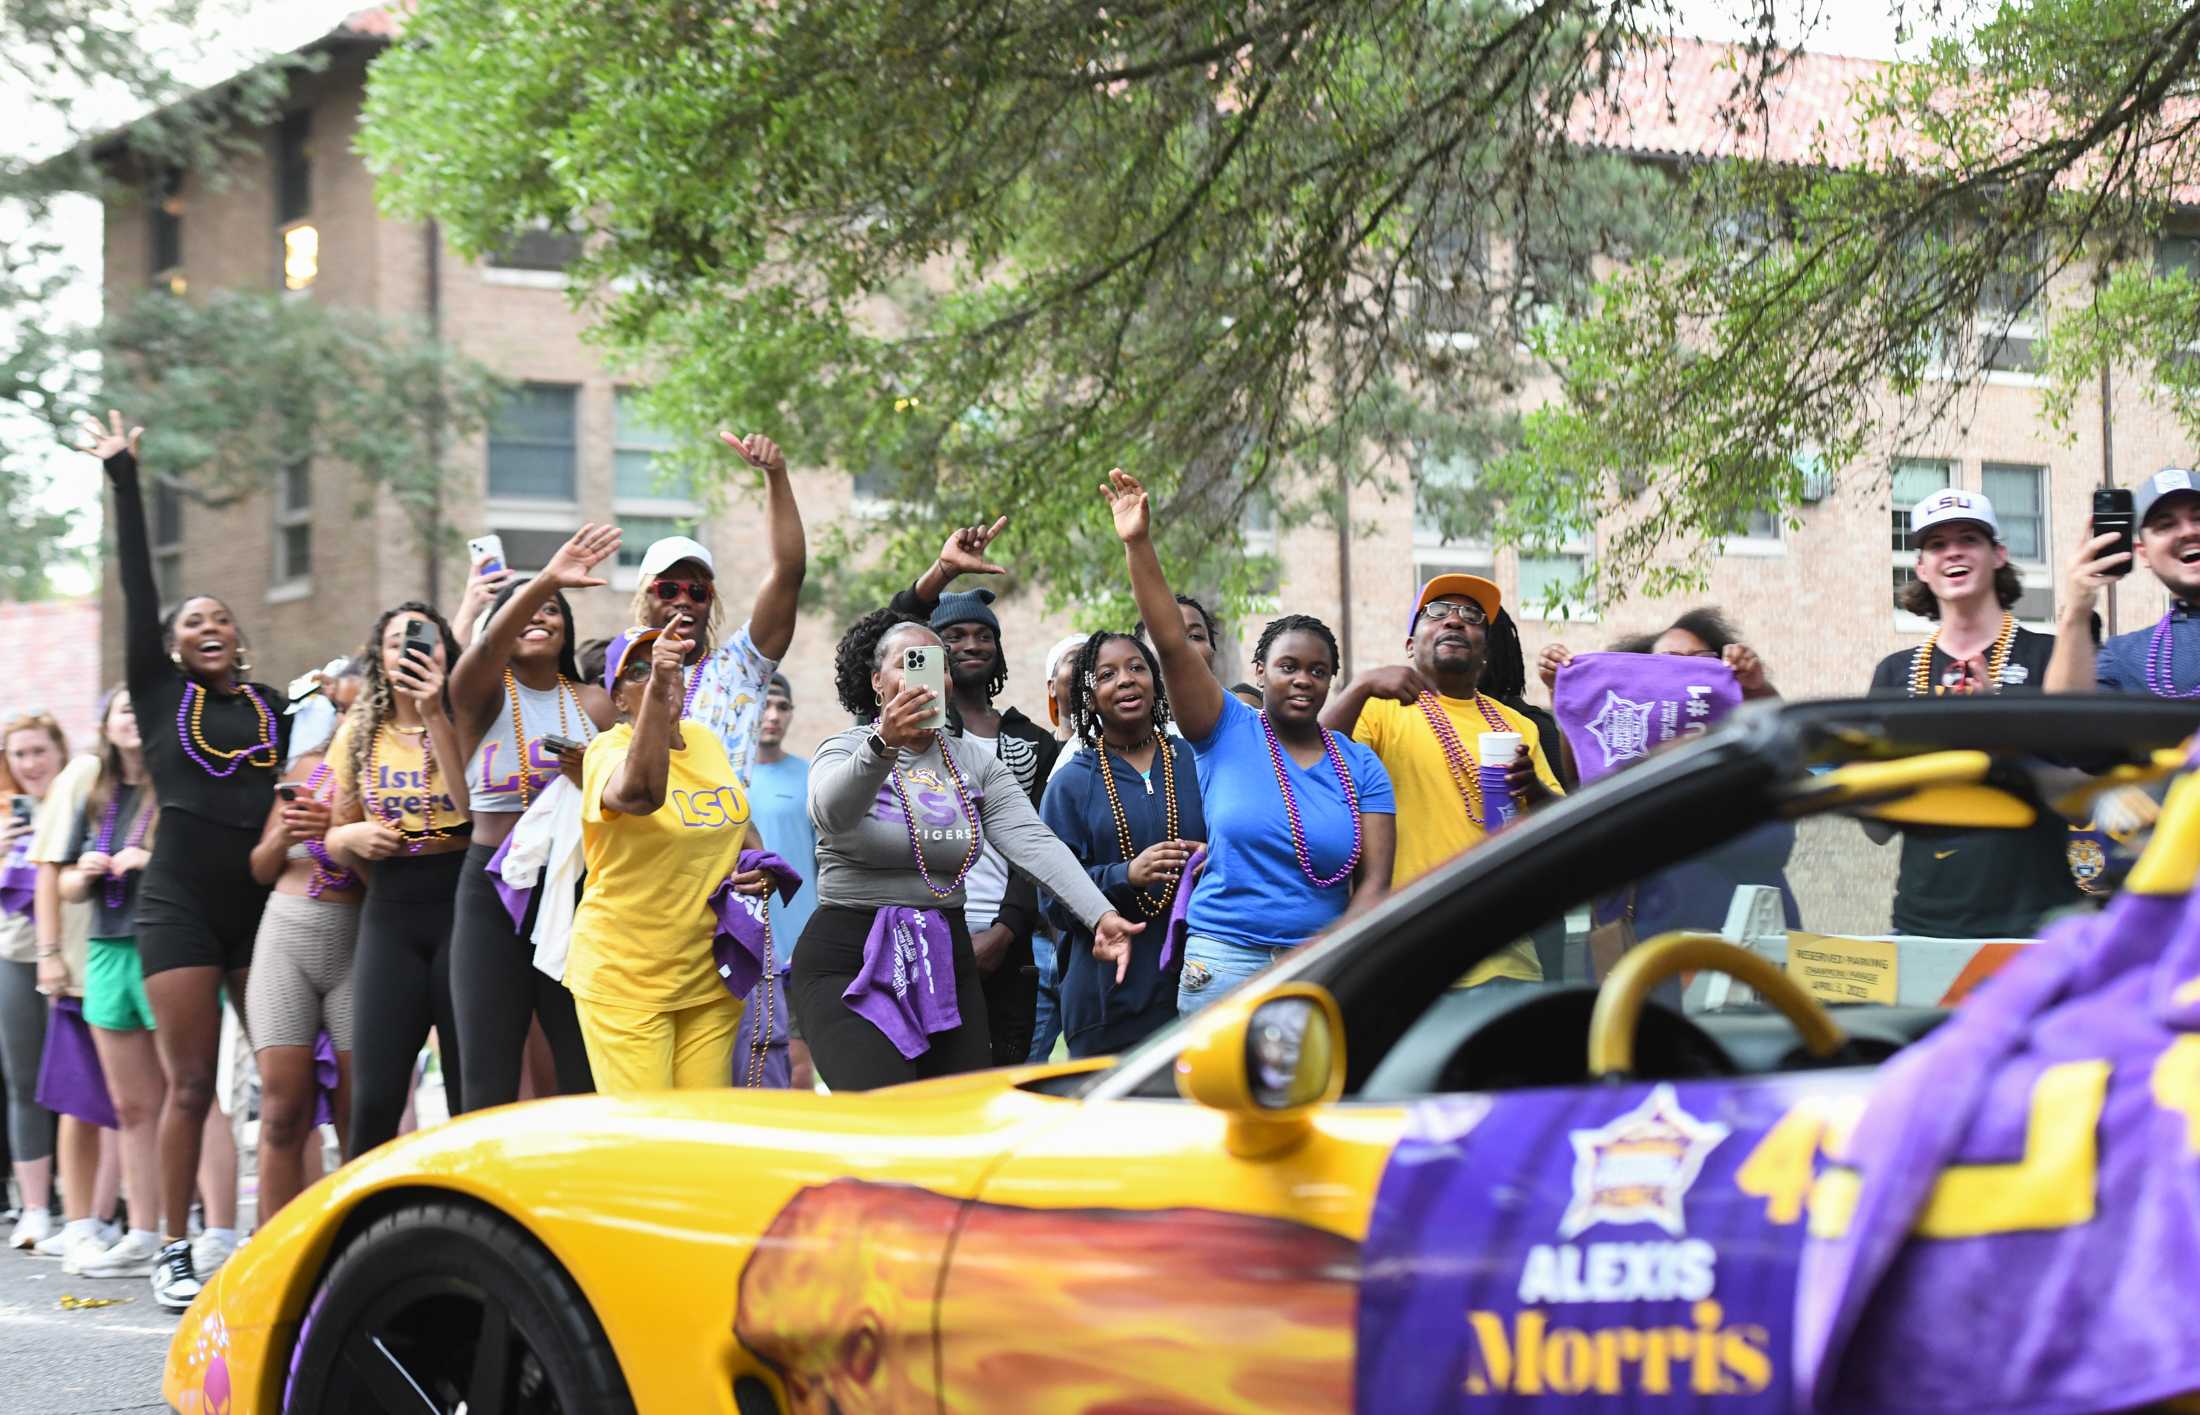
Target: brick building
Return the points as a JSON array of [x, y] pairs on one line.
[[53, 664], [308, 567]]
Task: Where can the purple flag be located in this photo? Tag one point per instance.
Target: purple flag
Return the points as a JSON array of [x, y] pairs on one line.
[[906, 987], [70, 1080], [2015, 1224], [743, 920], [515, 899], [1180, 910], [1616, 707], [18, 884]]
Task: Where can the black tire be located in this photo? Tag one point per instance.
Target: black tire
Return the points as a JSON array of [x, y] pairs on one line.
[[405, 1309]]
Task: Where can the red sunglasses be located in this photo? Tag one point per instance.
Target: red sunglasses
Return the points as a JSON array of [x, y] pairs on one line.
[[698, 591]]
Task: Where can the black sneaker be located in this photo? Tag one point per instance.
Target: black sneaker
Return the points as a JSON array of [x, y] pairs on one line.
[[175, 1282]]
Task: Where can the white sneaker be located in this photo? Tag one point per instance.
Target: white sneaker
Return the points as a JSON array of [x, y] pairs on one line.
[[32, 1229], [86, 1245], [208, 1252], [174, 1281], [135, 1255], [56, 1244]]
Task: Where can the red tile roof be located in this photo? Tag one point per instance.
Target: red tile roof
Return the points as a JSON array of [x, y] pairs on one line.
[[1680, 101]]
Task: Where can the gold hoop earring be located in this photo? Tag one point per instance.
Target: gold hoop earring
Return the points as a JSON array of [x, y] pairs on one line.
[[176, 657]]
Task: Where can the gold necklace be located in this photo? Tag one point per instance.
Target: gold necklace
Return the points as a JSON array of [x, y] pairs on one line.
[[1921, 662], [1151, 907]]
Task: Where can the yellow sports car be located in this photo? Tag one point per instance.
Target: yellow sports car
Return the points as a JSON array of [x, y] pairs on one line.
[[1353, 1185]]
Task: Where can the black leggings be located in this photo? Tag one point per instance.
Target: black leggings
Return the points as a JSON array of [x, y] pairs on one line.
[[496, 988], [852, 1054], [198, 905], [401, 983]]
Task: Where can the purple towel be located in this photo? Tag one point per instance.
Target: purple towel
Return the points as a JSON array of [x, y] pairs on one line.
[[325, 1078], [744, 920], [1617, 707], [2080, 1297], [18, 885], [70, 1081], [906, 987], [1180, 909], [515, 900]]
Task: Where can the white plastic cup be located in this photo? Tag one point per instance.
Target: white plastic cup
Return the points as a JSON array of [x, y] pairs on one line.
[[1497, 748]]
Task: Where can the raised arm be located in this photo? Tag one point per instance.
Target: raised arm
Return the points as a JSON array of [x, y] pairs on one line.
[[1194, 692], [845, 776], [637, 785], [771, 618], [963, 554], [142, 654], [479, 671]]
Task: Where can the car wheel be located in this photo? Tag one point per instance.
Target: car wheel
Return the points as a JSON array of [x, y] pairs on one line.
[[439, 1308]]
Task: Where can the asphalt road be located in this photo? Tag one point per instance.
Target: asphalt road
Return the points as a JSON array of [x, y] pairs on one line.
[[77, 1363]]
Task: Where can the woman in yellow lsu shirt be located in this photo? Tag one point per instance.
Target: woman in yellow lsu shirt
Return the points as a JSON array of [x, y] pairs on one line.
[[663, 820]]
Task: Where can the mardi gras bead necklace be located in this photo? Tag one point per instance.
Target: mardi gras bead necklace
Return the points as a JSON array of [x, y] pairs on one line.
[[415, 840], [327, 874], [111, 889], [519, 732], [760, 1042], [1291, 806], [1151, 907], [2160, 680], [1467, 778], [192, 706], [909, 822], [1921, 662]]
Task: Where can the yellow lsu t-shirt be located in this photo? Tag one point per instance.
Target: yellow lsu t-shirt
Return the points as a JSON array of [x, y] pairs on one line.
[[398, 784], [1432, 815], [641, 937]]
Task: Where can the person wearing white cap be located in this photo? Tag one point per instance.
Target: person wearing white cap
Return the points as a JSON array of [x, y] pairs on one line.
[[2163, 658], [727, 681], [1971, 883]]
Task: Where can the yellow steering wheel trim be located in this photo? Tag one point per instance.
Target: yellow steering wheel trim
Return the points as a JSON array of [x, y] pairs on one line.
[[1627, 988]]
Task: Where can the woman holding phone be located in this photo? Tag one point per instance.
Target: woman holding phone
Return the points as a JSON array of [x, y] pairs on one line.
[[400, 813], [901, 809], [516, 690], [32, 751]]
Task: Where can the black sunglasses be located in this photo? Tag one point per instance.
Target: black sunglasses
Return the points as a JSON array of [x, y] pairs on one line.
[[669, 590]]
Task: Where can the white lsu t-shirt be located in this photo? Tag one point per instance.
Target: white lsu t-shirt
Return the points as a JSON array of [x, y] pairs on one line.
[[987, 883]]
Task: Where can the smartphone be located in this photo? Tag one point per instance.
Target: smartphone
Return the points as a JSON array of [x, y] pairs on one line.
[[288, 790], [492, 546], [926, 667], [558, 746], [420, 639], [23, 807], [2112, 515]]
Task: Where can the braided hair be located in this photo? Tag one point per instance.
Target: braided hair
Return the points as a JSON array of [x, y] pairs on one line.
[[1504, 666], [857, 657], [1084, 706], [377, 702], [1292, 623]]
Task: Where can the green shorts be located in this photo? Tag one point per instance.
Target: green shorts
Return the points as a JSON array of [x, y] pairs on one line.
[[114, 987]]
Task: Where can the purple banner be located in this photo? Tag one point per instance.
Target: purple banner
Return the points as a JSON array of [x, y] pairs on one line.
[[1624, 1248], [1618, 707], [70, 1079]]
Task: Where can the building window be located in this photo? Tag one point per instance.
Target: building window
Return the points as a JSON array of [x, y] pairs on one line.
[[165, 201], [533, 451], [528, 548], [1439, 484], [294, 168], [538, 248], [640, 532], [2008, 309], [301, 256], [294, 524], [1914, 480], [635, 444], [167, 539], [1541, 576], [2175, 253], [2019, 494]]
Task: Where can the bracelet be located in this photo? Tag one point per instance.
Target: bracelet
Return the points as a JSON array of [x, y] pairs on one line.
[[49, 953]]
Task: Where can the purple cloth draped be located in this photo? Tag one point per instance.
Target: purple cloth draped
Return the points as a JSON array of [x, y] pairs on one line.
[[18, 885], [515, 900], [70, 1080], [1617, 707], [906, 987], [325, 1079], [2068, 1090], [738, 946], [1180, 909]]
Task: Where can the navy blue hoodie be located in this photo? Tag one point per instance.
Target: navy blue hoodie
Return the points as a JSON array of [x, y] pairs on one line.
[[1099, 1015]]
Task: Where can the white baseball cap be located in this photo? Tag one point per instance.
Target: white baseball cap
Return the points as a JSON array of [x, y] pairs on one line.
[[1945, 508], [664, 554]]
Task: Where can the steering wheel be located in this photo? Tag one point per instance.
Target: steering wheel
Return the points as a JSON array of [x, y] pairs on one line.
[[1619, 1001]]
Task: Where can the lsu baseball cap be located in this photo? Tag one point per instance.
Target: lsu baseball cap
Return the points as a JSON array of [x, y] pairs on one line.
[[623, 648], [1472, 587], [662, 555], [2168, 482], [1947, 508]]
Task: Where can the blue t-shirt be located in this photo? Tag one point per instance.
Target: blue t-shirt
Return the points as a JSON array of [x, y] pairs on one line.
[[1252, 891], [2121, 666], [779, 803]]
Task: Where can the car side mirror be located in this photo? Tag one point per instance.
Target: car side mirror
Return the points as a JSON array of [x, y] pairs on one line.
[[1268, 1061]]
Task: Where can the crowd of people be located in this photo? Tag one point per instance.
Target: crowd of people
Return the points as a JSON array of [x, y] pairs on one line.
[[559, 867]]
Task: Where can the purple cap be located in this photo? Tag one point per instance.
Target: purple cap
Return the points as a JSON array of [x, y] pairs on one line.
[[622, 647]]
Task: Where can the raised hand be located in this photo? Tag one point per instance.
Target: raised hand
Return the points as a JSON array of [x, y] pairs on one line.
[[590, 546], [964, 553], [1551, 660], [105, 442], [1749, 670], [900, 716], [1129, 504], [758, 451], [420, 680], [1111, 941], [2093, 568]]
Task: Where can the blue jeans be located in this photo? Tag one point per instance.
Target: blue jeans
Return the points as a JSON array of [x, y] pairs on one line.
[[1048, 1028], [1213, 969]]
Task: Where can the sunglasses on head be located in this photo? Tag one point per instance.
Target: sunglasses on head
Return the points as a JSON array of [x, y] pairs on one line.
[[698, 591]]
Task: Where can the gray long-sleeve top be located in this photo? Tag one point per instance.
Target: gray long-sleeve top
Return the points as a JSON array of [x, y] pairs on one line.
[[863, 839]]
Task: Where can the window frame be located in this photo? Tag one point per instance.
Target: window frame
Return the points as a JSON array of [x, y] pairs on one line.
[[1580, 548], [504, 499], [2037, 574], [286, 580], [686, 512], [1904, 559], [164, 229], [165, 532]]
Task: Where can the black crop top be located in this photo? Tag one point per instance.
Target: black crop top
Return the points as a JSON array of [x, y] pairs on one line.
[[227, 721]]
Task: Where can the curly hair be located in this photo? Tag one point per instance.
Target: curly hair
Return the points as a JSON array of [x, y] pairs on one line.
[[856, 658], [377, 703], [1189, 603], [1710, 625], [1918, 599], [1083, 707], [1292, 623]]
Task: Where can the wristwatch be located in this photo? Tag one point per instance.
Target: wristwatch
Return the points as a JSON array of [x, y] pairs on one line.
[[879, 747]]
